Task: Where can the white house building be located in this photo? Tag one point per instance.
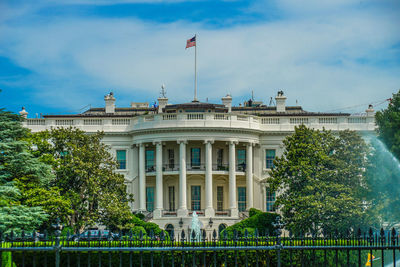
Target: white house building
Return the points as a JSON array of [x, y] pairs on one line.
[[209, 158]]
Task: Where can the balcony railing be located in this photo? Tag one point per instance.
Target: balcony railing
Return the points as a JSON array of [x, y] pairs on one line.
[[265, 123], [195, 167], [241, 167], [198, 212], [225, 213], [171, 167], [169, 213], [150, 168], [221, 167]]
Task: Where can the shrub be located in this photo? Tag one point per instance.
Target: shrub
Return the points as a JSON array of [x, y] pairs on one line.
[[149, 227], [254, 211], [262, 221]]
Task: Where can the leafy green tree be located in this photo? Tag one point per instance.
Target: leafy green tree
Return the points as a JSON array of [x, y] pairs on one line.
[[85, 174], [17, 165], [388, 121], [319, 179]]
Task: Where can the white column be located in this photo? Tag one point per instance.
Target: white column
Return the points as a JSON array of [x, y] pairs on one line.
[[159, 181], [209, 211], [182, 209], [142, 179], [249, 175], [232, 180]]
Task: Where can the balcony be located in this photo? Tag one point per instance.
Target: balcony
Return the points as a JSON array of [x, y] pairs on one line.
[[223, 213], [200, 213], [169, 213], [195, 167], [220, 167], [150, 169], [170, 167], [241, 167]]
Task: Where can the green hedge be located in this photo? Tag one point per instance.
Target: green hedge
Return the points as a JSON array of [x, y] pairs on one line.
[[262, 221]]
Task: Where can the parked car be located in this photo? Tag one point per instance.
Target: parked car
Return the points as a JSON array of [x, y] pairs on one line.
[[94, 235], [27, 237]]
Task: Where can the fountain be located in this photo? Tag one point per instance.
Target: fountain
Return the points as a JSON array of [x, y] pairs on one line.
[[195, 228]]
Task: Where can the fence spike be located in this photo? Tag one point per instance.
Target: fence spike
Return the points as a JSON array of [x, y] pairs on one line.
[[162, 236], [183, 235], [193, 236]]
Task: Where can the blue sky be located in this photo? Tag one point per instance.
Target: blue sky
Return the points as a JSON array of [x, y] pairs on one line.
[[61, 56]]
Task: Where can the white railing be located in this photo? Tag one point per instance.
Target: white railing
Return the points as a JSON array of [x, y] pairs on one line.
[[357, 120], [298, 120], [328, 120], [92, 122], [121, 121], [270, 121], [195, 116], [64, 122], [36, 122], [169, 117], [221, 117], [215, 120]]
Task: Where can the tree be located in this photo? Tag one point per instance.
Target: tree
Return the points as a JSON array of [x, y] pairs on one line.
[[17, 165], [319, 179], [85, 174], [388, 121]]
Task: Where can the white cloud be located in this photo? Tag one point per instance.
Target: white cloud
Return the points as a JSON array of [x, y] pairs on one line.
[[315, 60]]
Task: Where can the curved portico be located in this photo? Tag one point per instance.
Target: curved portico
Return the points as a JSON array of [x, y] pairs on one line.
[[204, 159]]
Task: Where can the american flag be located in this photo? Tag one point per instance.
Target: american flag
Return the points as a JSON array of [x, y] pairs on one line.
[[191, 42]]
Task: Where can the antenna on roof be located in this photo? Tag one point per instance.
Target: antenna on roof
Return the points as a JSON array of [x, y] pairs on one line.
[[252, 95]]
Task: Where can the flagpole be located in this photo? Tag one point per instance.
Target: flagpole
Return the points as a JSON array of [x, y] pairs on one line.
[[195, 69]]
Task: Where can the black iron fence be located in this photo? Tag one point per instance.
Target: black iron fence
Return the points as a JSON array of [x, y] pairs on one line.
[[206, 249]]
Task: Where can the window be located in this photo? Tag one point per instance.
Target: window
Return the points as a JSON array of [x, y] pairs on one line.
[[196, 197], [150, 199], [121, 159], [242, 198], [150, 161], [270, 199], [269, 158], [195, 157], [171, 197], [171, 158], [241, 159], [220, 158], [220, 198]]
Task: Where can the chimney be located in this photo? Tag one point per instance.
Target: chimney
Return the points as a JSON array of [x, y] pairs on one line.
[[110, 102], [370, 111], [280, 102], [227, 102], [23, 113], [162, 100]]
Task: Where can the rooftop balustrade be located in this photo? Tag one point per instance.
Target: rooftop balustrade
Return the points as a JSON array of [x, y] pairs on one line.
[[210, 120]]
